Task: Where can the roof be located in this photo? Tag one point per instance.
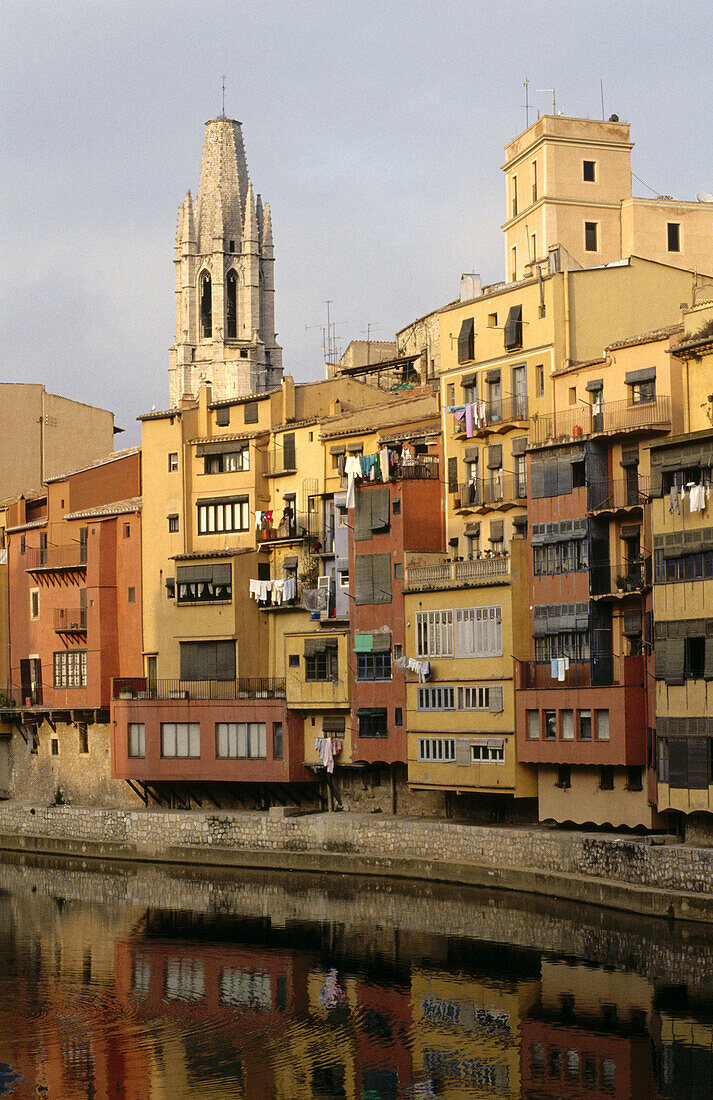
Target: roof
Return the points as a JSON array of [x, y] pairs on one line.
[[106, 511], [646, 337], [114, 456], [164, 415], [693, 344], [226, 402], [229, 552], [431, 429], [233, 437], [27, 526]]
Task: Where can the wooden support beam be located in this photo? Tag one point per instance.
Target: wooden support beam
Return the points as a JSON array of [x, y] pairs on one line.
[[136, 788]]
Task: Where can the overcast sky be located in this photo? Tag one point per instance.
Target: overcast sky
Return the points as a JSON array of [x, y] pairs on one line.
[[374, 129]]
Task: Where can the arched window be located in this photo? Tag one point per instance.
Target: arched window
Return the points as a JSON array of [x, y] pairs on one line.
[[231, 306], [206, 307]]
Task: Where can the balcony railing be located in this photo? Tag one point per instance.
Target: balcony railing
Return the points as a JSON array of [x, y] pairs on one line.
[[504, 490], [489, 415], [619, 579], [478, 571], [276, 461], [619, 493], [56, 557], [612, 416], [298, 528], [246, 687], [423, 468], [537, 675], [70, 620]]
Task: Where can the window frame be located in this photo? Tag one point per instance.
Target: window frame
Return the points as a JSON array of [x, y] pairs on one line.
[[374, 666], [136, 740], [192, 731], [591, 232]]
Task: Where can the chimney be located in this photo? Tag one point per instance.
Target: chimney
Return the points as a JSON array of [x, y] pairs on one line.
[[288, 398], [470, 287]]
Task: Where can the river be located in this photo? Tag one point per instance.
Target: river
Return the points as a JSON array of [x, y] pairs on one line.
[[138, 982]]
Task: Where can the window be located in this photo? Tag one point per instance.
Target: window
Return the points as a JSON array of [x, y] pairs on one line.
[[564, 777], [480, 697], [589, 171], [492, 754], [372, 578], [173, 523], [250, 412], [513, 193], [233, 461], [398, 570], [54, 746], [540, 380], [231, 246], [673, 235], [342, 517], [466, 340], [533, 247], [533, 725], [633, 779], [204, 583], [585, 725], [180, 739], [567, 719], [185, 980], [550, 725], [170, 588], [533, 172], [642, 392], [231, 305], [396, 507], [398, 716], [244, 354], [590, 236], [131, 595], [606, 778], [22, 544], [602, 725], [373, 666], [513, 264], [294, 660], [137, 739], [241, 740], [451, 394], [83, 737], [217, 516], [478, 632], [520, 476], [398, 650], [436, 698], [70, 668], [322, 665], [343, 578], [207, 660], [573, 395], [34, 603], [372, 723], [434, 633], [694, 658], [438, 749], [206, 307], [512, 331], [277, 742], [172, 461], [492, 320]]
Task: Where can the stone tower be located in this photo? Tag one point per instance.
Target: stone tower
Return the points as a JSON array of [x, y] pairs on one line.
[[225, 287]]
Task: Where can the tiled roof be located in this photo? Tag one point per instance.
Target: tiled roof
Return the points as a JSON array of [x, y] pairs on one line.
[[116, 508], [114, 456]]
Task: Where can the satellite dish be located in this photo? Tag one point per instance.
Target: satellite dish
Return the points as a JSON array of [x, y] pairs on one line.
[[704, 196]]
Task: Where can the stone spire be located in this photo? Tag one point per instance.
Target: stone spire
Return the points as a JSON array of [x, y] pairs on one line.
[[225, 326]]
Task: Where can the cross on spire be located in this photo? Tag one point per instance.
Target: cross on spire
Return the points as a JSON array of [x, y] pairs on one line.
[[223, 95]]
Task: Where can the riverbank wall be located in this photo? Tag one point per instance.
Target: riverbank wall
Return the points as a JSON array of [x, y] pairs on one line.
[[646, 875]]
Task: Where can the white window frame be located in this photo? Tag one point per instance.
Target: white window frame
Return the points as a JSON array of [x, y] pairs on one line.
[[441, 697], [70, 668], [434, 633], [474, 697], [179, 736], [487, 754], [136, 740], [478, 631], [34, 596], [241, 740], [219, 517]]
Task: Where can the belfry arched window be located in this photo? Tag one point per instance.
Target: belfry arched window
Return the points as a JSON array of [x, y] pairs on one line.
[[231, 306], [206, 306]]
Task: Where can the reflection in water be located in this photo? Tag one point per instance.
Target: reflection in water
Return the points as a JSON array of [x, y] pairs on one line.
[[145, 984]]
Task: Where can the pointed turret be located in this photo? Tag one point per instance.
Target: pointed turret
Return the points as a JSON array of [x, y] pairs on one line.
[[266, 239], [189, 228], [224, 180], [250, 230], [258, 208]]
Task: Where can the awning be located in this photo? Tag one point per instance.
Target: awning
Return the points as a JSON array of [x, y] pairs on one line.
[[340, 449], [355, 448], [594, 385], [334, 723], [468, 380], [290, 562], [363, 643], [314, 646], [632, 377]]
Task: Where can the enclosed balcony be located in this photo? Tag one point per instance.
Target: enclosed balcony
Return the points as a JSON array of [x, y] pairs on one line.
[[502, 491], [620, 580], [486, 570], [618, 494], [56, 559], [496, 415], [70, 620], [610, 418]]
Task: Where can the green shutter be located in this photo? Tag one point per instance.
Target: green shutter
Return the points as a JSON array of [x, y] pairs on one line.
[[363, 643]]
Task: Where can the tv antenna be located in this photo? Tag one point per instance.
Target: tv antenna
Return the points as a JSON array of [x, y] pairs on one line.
[[526, 86], [554, 101], [223, 95], [332, 352]]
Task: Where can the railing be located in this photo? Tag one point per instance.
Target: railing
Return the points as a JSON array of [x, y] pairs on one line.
[[491, 492], [537, 675], [606, 579], [69, 620], [246, 687], [612, 416], [423, 468], [480, 570], [276, 462], [490, 414], [618, 493], [298, 528], [321, 538], [56, 557]]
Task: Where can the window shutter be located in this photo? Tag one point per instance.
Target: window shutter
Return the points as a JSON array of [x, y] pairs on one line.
[[512, 336], [222, 416], [698, 762], [380, 508], [550, 487], [225, 660], [463, 754], [661, 658], [363, 583], [708, 660], [678, 762], [495, 699], [537, 478], [452, 475], [466, 340], [676, 657], [288, 451], [250, 412], [362, 516], [495, 456], [381, 578], [564, 476]]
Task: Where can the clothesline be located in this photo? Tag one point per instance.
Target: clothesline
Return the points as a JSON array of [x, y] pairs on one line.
[[281, 590], [328, 748]]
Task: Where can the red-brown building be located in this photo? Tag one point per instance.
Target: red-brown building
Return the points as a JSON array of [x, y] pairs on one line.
[[74, 574]]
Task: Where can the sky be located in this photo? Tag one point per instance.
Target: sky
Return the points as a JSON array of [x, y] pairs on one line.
[[374, 129]]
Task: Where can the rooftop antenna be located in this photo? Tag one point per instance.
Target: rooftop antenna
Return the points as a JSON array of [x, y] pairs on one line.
[[554, 101], [526, 86], [223, 95]]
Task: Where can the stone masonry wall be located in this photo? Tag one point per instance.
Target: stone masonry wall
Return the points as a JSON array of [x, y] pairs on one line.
[[631, 860]]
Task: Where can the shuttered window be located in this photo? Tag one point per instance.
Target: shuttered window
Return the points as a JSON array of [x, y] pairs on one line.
[[478, 632], [466, 341], [434, 633], [689, 762], [452, 475], [208, 660], [372, 578], [512, 335], [288, 451], [250, 412], [437, 749]]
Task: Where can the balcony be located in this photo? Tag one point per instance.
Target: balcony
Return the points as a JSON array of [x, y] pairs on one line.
[[282, 532], [618, 581], [423, 468], [458, 573], [618, 495], [278, 462], [488, 494], [245, 687], [70, 620], [54, 559], [497, 415], [611, 418]]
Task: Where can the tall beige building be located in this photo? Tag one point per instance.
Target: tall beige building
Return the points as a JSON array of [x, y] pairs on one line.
[[225, 288]]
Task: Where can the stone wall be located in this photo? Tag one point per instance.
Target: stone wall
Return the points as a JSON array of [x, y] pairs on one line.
[[388, 842]]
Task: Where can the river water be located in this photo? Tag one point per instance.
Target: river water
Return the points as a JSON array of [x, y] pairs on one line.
[[144, 983]]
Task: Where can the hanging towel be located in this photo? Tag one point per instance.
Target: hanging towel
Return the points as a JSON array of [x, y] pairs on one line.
[[469, 420], [327, 754], [384, 463], [554, 668]]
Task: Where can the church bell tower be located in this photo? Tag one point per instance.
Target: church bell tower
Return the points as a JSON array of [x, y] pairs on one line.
[[225, 287]]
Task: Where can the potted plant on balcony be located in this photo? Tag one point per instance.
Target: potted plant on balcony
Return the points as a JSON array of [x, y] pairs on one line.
[[622, 583]]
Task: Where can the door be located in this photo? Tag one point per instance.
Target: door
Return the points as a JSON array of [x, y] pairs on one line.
[[519, 392]]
